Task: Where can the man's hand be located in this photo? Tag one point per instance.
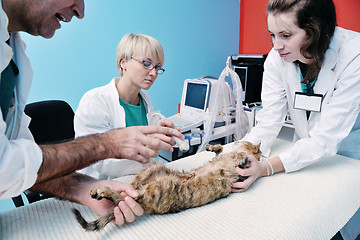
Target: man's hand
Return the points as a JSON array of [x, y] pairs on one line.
[[138, 143], [135, 144], [76, 187], [125, 211]]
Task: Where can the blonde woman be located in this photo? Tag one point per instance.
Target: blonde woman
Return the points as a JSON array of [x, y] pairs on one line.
[[121, 103]]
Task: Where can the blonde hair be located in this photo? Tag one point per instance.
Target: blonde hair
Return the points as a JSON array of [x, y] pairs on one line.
[[138, 44]]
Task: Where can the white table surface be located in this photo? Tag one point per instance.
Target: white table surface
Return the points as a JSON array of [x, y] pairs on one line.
[[313, 203]]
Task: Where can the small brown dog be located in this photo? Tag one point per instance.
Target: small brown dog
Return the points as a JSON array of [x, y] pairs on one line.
[[162, 190]]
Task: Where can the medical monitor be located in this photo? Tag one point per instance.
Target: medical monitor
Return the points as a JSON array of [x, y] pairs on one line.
[[195, 96], [250, 68]]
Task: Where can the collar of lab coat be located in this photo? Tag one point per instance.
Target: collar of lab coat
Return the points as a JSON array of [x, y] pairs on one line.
[[326, 81], [25, 74], [326, 74], [5, 50], [22, 87]]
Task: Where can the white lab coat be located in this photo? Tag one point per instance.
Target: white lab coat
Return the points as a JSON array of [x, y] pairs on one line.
[[99, 111], [323, 134], [20, 156], [336, 128]]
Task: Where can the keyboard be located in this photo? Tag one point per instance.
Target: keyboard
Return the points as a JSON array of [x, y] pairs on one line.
[[185, 124], [179, 121]]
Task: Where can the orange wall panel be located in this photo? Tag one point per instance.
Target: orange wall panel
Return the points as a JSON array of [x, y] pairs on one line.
[[348, 14], [254, 37]]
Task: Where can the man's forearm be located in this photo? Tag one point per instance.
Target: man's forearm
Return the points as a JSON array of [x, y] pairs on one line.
[[63, 158], [70, 187], [122, 143]]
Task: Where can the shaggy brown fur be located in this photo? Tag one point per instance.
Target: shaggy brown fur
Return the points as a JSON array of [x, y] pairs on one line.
[[162, 190]]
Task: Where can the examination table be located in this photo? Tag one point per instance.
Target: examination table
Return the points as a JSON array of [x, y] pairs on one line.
[[313, 203]]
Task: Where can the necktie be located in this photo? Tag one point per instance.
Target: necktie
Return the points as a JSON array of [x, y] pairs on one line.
[[7, 85]]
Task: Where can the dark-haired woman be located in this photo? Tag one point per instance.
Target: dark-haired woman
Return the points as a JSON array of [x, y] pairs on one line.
[[312, 72]]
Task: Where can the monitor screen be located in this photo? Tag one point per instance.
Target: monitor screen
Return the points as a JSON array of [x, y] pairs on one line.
[[250, 70], [196, 94], [242, 73]]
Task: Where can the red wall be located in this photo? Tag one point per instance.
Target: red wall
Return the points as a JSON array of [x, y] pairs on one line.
[[254, 37]]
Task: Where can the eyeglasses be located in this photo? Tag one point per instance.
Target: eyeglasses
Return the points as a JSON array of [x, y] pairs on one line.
[[150, 66]]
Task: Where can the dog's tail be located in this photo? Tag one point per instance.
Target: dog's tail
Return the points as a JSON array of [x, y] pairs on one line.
[[96, 225]]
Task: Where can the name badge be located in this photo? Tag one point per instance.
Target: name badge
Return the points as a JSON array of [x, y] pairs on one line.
[[308, 102]]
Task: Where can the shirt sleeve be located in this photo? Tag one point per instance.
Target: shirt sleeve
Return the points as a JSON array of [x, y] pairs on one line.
[[272, 116], [20, 160]]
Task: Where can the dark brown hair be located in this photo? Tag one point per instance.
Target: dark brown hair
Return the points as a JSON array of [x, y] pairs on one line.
[[318, 19]]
